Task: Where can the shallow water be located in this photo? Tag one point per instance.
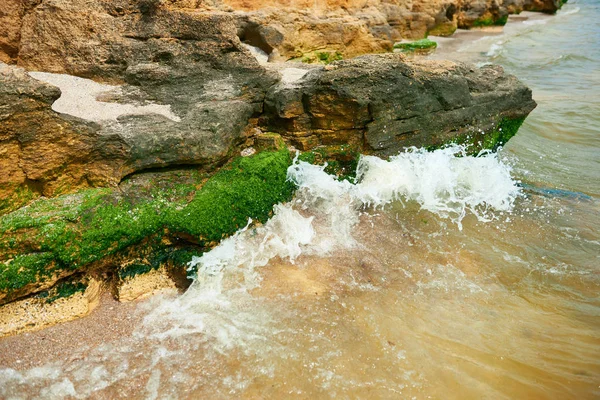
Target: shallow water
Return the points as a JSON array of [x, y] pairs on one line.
[[434, 277]]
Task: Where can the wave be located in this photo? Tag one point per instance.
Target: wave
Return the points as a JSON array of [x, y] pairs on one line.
[[571, 11]]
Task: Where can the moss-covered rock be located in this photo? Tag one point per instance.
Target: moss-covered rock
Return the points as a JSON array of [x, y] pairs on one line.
[[444, 29], [545, 6], [385, 103], [341, 160], [490, 21], [64, 289], [53, 238], [477, 141], [419, 46], [320, 57], [17, 196]]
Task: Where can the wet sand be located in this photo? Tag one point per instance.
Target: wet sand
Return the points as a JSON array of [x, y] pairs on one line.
[[109, 322]]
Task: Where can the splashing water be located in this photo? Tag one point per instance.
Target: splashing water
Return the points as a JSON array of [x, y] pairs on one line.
[[431, 276], [445, 182], [344, 277]]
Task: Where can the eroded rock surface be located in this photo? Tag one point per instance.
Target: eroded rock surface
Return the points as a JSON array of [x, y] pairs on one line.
[[384, 103], [106, 37], [191, 62], [44, 152]]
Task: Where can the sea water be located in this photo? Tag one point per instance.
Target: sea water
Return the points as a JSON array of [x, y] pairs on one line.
[[434, 275]]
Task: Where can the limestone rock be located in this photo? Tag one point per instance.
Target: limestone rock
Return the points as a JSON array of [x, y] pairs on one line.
[[102, 40], [479, 13], [106, 37], [190, 61], [44, 152], [545, 6], [11, 19], [145, 285], [153, 219], [33, 314], [384, 103]]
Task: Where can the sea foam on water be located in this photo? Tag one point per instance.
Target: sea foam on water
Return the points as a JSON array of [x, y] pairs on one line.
[[325, 210], [219, 312]]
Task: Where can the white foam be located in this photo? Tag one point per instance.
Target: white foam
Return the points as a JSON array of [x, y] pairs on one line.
[[79, 98], [219, 313], [445, 182], [495, 49], [535, 22], [325, 211], [60, 390], [571, 11]]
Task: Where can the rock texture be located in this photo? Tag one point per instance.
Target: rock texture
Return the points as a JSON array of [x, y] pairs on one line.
[[37, 32], [192, 61], [44, 153], [383, 103], [11, 18], [380, 104], [37, 313], [150, 221], [47, 153], [290, 29]]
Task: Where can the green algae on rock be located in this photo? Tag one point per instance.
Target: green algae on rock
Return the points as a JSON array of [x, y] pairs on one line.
[[382, 104], [506, 129], [63, 289], [340, 161], [490, 21], [58, 237], [477, 141], [445, 29], [320, 57], [416, 46]]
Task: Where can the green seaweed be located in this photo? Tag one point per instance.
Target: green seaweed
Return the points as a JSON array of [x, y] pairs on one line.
[[329, 57], [506, 129], [490, 21], [63, 290], [321, 57], [248, 188], [181, 257], [444, 29], [474, 143], [341, 160], [17, 199], [76, 230], [419, 45], [25, 269], [136, 269]]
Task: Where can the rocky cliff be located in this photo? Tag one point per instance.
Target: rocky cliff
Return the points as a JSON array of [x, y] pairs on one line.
[[284, 29]]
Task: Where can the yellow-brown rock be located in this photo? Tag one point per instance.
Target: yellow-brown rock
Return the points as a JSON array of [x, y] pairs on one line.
[[33, 314], [43, 152]]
